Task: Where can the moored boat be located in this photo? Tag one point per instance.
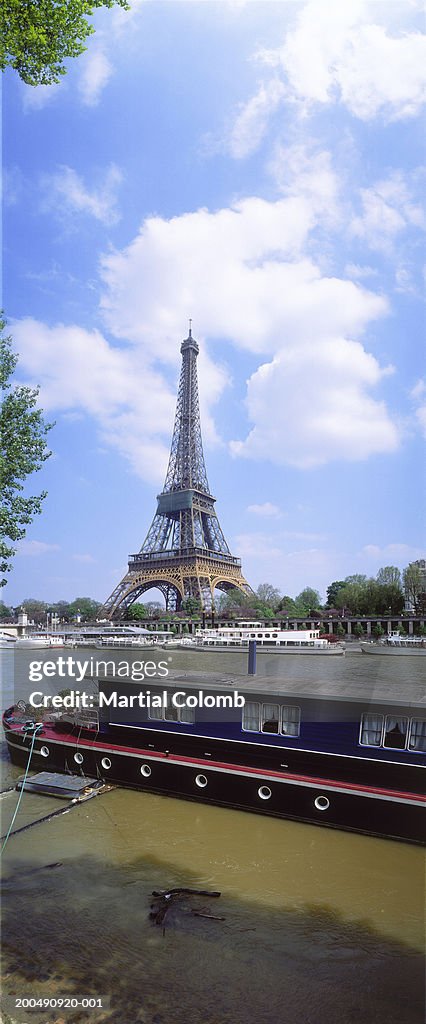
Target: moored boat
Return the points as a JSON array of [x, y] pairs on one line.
[[395, 643], [7, 640], [285, 641], [41, 640], [352, 760]]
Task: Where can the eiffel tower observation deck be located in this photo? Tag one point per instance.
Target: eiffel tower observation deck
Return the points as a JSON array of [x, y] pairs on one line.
[[185, 553]]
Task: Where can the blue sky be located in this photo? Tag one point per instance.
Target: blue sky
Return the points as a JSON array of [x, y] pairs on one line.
[[258, 167]]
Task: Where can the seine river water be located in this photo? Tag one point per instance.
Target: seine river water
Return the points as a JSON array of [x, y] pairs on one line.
[[320, 926]]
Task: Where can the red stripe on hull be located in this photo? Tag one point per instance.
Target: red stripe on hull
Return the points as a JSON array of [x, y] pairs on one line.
[[67, 739]]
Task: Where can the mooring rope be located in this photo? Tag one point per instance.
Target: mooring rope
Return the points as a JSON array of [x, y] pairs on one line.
[[36, 730]]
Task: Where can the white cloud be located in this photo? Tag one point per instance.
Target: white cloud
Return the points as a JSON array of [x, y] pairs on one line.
[[399, 553], [84, 558], [253, 119], [338, 53], [388, 208], [268, 510], [302, 170], [35, 548], [242, 275], [95, 72], [358, 272], [66, 191], [110, 390], [239, 270], [316, 396], [366, 57]]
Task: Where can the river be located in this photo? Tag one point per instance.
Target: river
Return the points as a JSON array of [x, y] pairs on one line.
[[318, 925]]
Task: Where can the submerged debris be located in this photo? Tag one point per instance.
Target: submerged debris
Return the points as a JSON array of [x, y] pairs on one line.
[[170, 897]]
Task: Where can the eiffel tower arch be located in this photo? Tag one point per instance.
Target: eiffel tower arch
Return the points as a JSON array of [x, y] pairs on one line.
[[185, 553]]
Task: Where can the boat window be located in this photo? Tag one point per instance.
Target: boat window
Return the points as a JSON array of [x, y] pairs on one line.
[[156, 713], [270, 717], [251, 716], [187, 716], [371, 730], [418, 734], [170, 712], [395, 732], [290, 720], [184, 716]]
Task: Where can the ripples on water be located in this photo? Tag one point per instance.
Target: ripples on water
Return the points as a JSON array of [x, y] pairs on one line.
[[320, 926]]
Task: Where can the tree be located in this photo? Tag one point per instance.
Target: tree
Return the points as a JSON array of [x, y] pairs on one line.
[[85, 607], [36, 610], [358, 629], [287, 606], [414, 583], [268, 594], [136, 612], [6, 613], [38, 35], [191, 606], [23, 451], [389, 576], [332, 592], [308, 599]]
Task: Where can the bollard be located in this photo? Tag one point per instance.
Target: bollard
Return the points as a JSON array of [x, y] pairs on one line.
[[252, 658]]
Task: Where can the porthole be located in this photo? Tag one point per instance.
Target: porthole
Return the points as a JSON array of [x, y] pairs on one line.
[[106, 763], [264, 792], [322, 803], [145, 771], [201, 781], [78, 758], [44, 751]]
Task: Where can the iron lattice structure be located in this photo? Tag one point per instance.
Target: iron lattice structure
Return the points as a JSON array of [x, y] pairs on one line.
[[185, 553]]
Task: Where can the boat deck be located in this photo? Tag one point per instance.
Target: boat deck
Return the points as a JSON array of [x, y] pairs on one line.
[[380, 690]]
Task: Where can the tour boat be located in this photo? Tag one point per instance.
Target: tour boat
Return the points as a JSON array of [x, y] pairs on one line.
[[395, 643], [350, 756], [286, 641], [41, 640], [7, 641]]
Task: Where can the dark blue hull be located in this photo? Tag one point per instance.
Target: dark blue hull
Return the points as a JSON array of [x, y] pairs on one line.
[[339, 791]]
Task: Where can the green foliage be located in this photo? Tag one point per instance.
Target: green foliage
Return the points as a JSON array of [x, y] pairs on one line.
[[6, 613], [287, 606], [332, 592], [389, 575], [358, 629], [268, 595], [191, 606], [414, 585], [307, 600], [85, 607], [136, 612], [23, 451], [380, 596], [36, 610], [37, 36], [377, 630]]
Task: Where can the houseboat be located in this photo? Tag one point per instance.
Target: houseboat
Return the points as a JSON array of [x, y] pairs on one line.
[[349, 757], [286, 641]]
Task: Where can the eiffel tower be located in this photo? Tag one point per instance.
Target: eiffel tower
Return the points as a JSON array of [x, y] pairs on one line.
[[185, 553]]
